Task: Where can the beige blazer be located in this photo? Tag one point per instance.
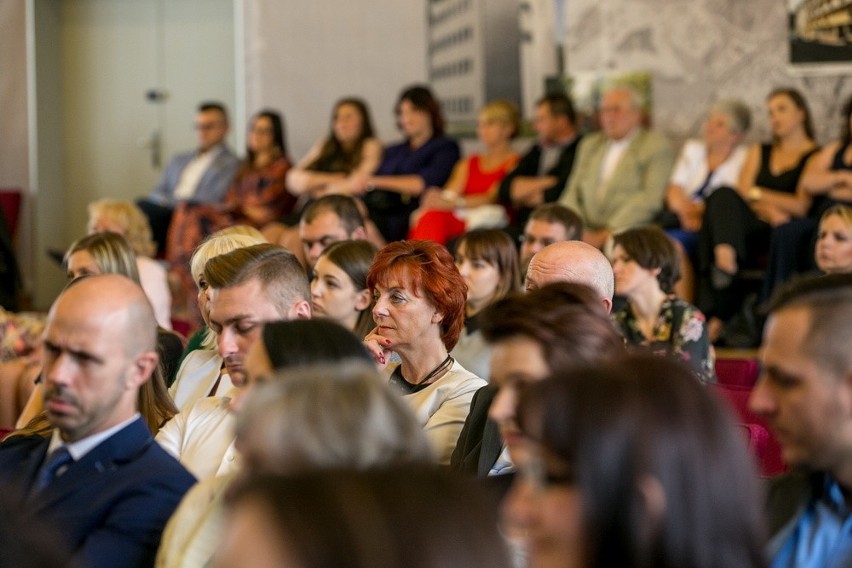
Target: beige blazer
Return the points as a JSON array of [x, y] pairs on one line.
[[634, 192]]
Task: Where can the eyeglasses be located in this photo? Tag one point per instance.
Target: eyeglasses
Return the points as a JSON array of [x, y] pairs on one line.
[[207, 125]]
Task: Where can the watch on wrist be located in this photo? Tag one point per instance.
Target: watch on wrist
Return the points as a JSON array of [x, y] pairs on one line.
[[755, 193]]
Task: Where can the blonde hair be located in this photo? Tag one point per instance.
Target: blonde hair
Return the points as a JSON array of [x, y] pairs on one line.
[[504, 111], [220, 242], [132, 221], [842, 211], [332, 415]]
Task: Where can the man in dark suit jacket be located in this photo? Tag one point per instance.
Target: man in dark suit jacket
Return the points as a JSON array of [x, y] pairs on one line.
[[541, 174], [99, 479], [805, 393], [200, 176], [543, 332]]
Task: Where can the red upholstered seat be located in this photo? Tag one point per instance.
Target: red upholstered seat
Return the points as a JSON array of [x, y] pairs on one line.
[[737, 372], [10, 203], [766, 448]]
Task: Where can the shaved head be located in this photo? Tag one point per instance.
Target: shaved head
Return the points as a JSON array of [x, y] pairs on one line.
[[99, 348], [572, 261]]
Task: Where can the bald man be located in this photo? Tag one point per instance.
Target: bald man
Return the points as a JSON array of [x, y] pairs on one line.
[[99, 478], [572, 261]]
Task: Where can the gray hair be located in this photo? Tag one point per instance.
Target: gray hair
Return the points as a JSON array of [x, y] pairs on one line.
[[325, 416], [736, 111]]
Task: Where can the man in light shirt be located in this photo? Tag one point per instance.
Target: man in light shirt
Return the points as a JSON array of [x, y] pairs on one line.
[[248, 287], [201, 176], [620, 173]]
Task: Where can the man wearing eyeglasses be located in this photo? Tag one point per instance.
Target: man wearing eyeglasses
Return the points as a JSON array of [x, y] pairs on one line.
[[201, 176]]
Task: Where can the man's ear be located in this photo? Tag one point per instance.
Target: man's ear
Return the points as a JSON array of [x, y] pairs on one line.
[[300, 310], [360, 233], [143, 367]]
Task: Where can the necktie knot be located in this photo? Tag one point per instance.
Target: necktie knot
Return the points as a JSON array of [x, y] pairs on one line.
[[55, 461]]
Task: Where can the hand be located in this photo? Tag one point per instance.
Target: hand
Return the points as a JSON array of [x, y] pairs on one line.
[[433, 198], [379, 347], [770, 213]]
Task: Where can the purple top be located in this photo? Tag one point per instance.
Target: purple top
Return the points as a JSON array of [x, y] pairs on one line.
[[433, 161]]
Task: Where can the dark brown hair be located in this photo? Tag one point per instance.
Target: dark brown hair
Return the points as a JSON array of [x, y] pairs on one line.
[[614, 428], [421, 98], [651, 248]]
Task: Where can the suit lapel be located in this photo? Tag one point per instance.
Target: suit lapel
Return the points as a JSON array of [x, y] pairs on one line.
[[104, 459]]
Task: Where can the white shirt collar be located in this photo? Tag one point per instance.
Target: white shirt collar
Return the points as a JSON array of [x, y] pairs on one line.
[[82, 447]]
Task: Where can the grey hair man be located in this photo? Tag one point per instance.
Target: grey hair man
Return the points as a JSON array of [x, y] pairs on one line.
[[572, 261]]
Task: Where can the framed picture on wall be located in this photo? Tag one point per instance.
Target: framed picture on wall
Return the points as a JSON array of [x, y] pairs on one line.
[[820, 34]]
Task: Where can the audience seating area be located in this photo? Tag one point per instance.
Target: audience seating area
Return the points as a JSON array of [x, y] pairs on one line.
[[737, 372]]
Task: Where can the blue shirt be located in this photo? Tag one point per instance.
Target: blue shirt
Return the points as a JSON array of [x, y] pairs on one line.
[[820, 537]]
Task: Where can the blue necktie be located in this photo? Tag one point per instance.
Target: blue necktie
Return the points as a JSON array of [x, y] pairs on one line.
[[56, 460]]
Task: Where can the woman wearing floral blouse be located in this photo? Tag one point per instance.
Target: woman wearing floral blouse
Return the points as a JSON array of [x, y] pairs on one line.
[[645, 264]]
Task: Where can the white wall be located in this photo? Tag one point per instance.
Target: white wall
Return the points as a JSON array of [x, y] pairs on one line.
[[302, 56]]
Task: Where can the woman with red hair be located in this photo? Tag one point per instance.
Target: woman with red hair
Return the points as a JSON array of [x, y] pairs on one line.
[[419, 312]]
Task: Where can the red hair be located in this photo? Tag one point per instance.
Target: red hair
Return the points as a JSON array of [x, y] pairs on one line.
[[426, 266]]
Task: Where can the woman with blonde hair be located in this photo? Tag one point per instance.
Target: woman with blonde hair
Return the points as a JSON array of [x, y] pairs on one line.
[[469, 199], [126, 219], [833, 252]]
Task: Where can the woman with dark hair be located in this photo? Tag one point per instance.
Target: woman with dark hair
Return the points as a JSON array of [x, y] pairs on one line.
[[351, 519], [827, 179], [419, 312], [339, 285], [337, 164], [632, 464], [257, 196], [488, 261], [531, 336], [424, 159], [738, 222], [645, 265]]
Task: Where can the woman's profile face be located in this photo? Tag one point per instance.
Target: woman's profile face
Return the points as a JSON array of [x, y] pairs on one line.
[[334, 296], [413, 121], [481, 277], [784, 116], [544, 509], [82, 263], [834, 246], [348, 124], [203, 300], [629, 276], [261, 135], [402, 315]]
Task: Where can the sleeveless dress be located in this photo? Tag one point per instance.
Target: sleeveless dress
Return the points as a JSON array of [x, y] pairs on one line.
[[442, 226]]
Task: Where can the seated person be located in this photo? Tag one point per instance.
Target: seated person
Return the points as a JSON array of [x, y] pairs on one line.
[[704, 165], [419, 312], [201, 176], [620, 173], [632, 463], [257, 196], [645, 265], [548, 224], [833, 252], [98, 477], [126, 219], [337, 164], [542, 173], [424, 159], [468, 200]]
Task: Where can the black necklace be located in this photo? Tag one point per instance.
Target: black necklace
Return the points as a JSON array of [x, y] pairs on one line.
[[399, 381]]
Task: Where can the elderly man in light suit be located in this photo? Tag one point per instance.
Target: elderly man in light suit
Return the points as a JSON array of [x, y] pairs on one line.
[[620, 173]]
